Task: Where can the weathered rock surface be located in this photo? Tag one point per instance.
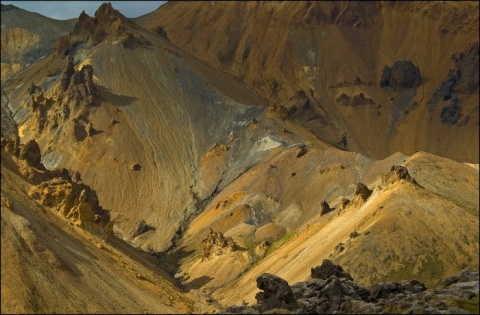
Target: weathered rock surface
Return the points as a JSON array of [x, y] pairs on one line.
[[59, 189], [216, 244], [397, 173], [336, 292], [362, 191], [327, 269], [107, 22]]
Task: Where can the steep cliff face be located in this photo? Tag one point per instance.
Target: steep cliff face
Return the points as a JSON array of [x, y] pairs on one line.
[[27, 37], [332, 51]]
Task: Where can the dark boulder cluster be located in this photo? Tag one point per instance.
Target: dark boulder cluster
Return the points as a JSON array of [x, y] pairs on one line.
[[463, 78], [403, 75], [333, 291]]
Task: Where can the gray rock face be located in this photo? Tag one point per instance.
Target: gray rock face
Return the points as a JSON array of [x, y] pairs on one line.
[[403, 75]]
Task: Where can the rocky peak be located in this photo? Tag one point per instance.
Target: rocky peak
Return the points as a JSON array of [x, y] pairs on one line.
[[93, 30], [106, 14]]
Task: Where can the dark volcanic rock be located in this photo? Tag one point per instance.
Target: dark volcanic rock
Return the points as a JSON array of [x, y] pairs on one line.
[[467, 68], [450, 114], [340, 295], [386, 290], [403, 75], [30, 152], [276, 293], [327, 269]]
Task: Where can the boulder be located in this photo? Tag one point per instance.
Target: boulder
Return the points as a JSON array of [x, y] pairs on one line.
[[328, 269], [276, 293], [30, 152], [324, 208], [403, 75]]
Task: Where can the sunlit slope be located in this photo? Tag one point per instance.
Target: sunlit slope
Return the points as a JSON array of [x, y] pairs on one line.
[[402, 231], [161, 111], [51, 266]]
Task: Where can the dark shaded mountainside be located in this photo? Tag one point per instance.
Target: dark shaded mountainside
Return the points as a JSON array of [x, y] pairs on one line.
[[205, 144], [372, 77]]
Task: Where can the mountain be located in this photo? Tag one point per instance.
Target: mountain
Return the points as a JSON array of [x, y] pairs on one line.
[[324, 64], [155, 162], [27, 37]]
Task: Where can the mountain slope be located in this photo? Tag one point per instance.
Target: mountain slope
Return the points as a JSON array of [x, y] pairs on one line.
[[218, 178], [27, 37], [324, 61]]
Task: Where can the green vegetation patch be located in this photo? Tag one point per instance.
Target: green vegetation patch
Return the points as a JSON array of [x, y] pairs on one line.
[[470, 305], [279, 243]]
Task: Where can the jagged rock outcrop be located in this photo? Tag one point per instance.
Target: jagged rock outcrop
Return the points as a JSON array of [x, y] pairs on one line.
[[67, 108], [30, 152], [216, 244], [362, 191], [327, 269], [107, 22], [463, 78], [75, 201], [59, 189], [397, 173], [339, 294], [403, 75], [466, 68]]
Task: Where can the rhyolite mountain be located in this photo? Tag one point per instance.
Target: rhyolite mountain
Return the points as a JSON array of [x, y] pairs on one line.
[[206, 143]]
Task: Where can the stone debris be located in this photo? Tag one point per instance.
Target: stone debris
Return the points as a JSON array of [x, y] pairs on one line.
[[333, 291]]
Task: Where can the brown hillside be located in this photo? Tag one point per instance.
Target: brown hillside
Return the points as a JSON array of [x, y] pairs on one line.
[[330, 50]]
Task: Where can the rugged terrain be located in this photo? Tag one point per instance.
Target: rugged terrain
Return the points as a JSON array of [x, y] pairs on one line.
[[164, 163]]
